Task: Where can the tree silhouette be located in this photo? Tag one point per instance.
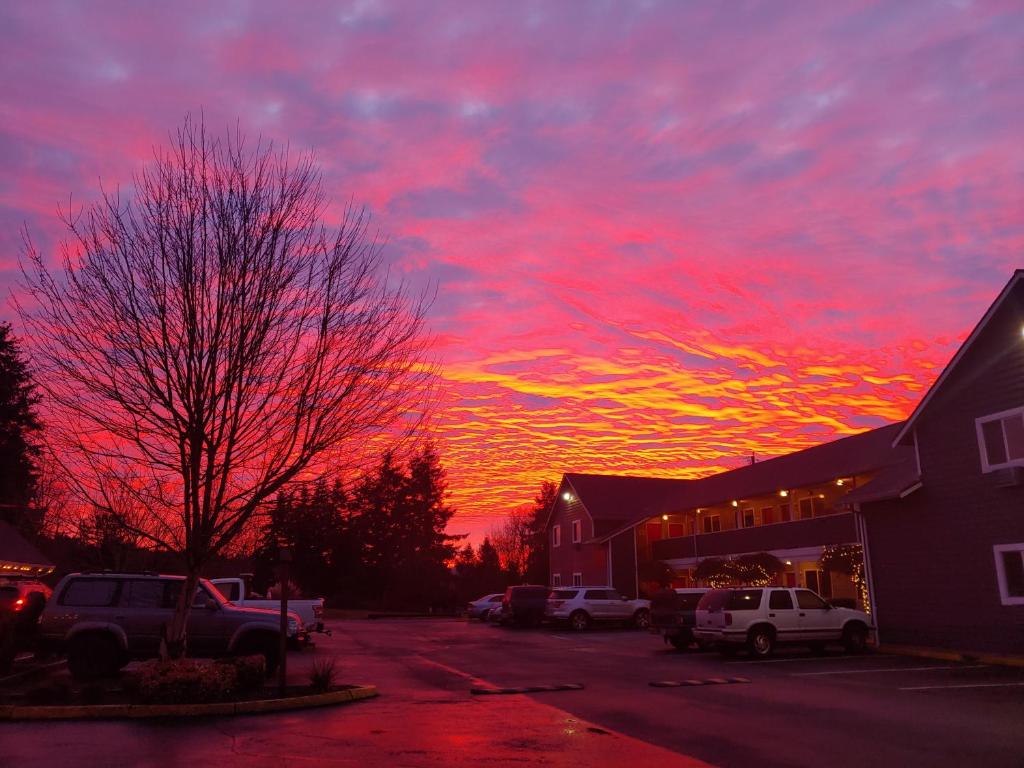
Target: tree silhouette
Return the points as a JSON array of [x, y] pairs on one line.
[[19, 433]]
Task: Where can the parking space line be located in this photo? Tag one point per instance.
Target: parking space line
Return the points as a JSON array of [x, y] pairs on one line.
[[965, 685], [812, 658], [891, 669]]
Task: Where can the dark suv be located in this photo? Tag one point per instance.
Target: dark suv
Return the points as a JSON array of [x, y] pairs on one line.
[[524, 605], [674, 615], [104, 620]]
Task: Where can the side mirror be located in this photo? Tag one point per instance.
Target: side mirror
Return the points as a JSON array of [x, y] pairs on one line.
[[829, 606], [212, 605]]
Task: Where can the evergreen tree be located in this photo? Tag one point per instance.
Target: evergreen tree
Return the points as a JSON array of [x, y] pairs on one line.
[[19, 428], [537, 563]]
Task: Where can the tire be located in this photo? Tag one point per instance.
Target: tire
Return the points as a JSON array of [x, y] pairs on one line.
[[642, 619], [855, 638], [680, 642], [579, 621], [94, 655], [265, 645], [761, 642]]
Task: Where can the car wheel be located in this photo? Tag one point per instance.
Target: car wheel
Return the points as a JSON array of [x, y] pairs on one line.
[[642, 619], [761, 642], [93, 656], [579, 620], [855, 638], [680, 642]]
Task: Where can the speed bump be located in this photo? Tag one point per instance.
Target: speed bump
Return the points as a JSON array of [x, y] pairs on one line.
[[694, 683], [526, 689]]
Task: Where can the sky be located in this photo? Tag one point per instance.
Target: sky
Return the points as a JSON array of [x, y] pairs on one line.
[[663, 235]]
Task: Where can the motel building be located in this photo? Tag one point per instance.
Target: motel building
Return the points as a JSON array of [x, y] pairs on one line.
[[614, 530], [933, 506]]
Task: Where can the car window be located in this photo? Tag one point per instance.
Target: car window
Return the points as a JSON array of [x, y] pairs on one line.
[[145, 593], [201, 597], [714, 600], [780, 599], [91, 593], [688, 600], [807, 599], [745, 600], [494, 598], [612, 594], [562, 594], [230, 590], [595, 594]]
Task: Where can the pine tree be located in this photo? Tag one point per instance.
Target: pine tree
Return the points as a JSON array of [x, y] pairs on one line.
[[19, 429]]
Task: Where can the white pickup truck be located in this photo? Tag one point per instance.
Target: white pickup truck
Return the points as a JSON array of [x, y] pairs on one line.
[[310, 611]]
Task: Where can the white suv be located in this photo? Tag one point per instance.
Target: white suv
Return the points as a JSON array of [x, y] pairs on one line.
[[582, 606], [762, 617]]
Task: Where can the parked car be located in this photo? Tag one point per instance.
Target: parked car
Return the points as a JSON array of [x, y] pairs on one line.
[[104, 620], [21, 603], [524, 605], [583, 606], [674, 615], [479, 608], [237, 591], [761, 618]]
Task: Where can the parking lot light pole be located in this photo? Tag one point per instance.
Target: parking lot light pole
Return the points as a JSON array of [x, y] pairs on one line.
[[284, 560]]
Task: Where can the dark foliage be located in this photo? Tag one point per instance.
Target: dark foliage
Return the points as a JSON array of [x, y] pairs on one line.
[[19, 430]]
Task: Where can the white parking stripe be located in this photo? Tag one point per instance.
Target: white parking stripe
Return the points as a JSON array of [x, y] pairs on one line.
[[811, 658], [967, 685], [892, 669]]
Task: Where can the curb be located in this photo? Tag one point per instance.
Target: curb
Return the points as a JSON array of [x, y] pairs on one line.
[[942, 654], [526, 689], [136, 711], [696, 683]]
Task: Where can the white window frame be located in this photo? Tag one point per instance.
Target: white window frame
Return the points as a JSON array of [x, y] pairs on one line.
[[997, 552], [556, 536], [577, 531], [556, 579], [577, 579], [978, 422]]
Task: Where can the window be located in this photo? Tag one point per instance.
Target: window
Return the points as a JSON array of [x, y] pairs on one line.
[[556, 579], [148, 593], [577, 531], [809, 600], [562, 594], [712, 523], [744, 600], [577, 579], [780, 600], [819, 506], [1010, 572], [1001, 440], [596, 594], [818, 581], [806, 508], [91, 593], [229, 590], [767, 515], [748, 518], [556, 536]]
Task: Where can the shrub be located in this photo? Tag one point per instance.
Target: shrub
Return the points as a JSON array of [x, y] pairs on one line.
[[321, 677], [185, 681], [250, 672]]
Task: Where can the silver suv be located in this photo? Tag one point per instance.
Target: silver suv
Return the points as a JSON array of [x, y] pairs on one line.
[[761, 618], [582, 606], [104, 620]]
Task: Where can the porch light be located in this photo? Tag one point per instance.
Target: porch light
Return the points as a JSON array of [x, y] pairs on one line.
[[664, 517], [789, 562], [839, 482], [567, 496], [783, 494], [821, 495], [735, 503]]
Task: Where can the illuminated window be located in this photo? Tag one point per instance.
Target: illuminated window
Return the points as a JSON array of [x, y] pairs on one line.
[[556, 536], [1001, 440], [556, 579], [1010, 573], [577, 579], [577, 531]]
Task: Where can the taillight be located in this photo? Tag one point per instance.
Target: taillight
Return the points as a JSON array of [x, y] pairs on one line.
[[18, 604], [728, 619]]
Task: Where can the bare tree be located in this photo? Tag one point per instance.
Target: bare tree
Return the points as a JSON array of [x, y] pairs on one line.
[[207, 341], [512, 541]]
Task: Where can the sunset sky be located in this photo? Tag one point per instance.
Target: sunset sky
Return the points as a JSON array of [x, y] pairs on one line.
[[663, 235]]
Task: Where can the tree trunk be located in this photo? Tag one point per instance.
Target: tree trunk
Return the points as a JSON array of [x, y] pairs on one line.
[[176, 636]]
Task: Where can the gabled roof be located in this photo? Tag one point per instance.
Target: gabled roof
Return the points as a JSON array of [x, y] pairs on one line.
[[893, 482], [908, 426], [617, 502], [16, 551]]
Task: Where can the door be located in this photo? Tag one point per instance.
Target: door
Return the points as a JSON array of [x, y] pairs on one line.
[[596, 601], [817, 619], [146, 613], [208, 629], [618, 608], [783, 615]]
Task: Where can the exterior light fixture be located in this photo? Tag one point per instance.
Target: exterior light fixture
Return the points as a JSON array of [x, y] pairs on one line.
[[664, 517], [567, 496], [735, 503], [789, 562], [821, 495], [839, 482], [783, 494]]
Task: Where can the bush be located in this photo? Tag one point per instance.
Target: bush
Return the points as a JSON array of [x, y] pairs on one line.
[[249, 673], [185, 681], [321, 677]]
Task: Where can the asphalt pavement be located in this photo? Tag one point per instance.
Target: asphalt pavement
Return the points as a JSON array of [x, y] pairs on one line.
[[623, 697]]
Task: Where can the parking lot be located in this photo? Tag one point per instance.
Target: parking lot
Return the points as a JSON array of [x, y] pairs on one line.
[[796, 709]]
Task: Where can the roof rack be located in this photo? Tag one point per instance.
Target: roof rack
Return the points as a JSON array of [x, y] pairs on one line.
[[108, 571]]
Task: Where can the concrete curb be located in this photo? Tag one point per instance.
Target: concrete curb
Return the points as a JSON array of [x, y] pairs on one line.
[[526, 689], [135, 711], [697, 683], [943, 654]]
